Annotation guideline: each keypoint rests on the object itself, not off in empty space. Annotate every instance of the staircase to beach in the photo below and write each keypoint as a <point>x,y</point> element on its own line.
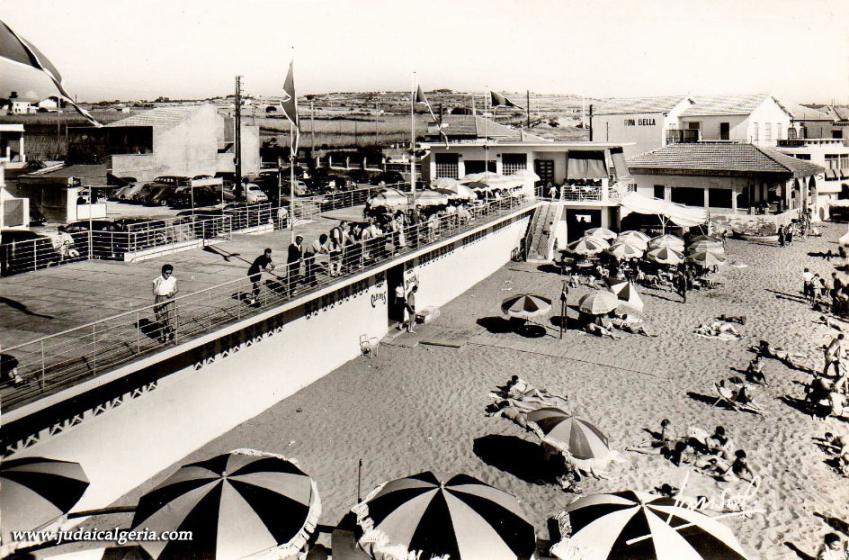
<point>541,239</point>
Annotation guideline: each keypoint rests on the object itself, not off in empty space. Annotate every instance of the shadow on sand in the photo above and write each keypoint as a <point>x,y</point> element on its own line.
<point>521,458</point>
<point>798,551</point>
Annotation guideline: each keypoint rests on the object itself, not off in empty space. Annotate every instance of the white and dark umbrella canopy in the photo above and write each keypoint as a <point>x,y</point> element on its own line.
<point>431,198</point>
<point>587,246</point>
<point>444,183</point>
<point>665,255</point>
<point>627,293</point>
<point>667,240</point>
<point>237,504</point>
<point>598,302</point>
<point>525,306</point>
<point>457,191</point>
<point>613,527</point>
<point>582,439</point>
<point>35,491</point>
<point>635,238</point>
<point>602,232</point>
<point>494,180</point>
<point>625,250</point>
<point>388,198</point>
<point>705,245</point>
<point>462,519</point>
<point>707,259</point>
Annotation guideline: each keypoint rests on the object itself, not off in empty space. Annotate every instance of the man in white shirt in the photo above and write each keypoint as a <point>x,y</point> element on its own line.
<point>164,290</point>
<point>807,283</point>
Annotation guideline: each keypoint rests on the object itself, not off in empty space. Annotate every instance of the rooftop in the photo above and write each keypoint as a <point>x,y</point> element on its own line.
<point>164,117</point>
<point>705,105</point>
<point>801,113</point>
<point>479,127</point>
<point>721,158</point>
<point>625,106</point>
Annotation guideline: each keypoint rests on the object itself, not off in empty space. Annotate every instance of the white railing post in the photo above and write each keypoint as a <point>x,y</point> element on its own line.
<point>42,365</point>
<point>35,254</point>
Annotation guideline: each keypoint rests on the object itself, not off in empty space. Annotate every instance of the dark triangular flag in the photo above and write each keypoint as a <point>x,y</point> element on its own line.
<point>498,100</point>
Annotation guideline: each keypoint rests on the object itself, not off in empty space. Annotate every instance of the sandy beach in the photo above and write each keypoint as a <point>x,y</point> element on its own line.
<point>420,407</point>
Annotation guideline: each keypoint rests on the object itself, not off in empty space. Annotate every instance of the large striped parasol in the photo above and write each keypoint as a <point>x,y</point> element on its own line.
<point>525,306</point>
<point>388,198</point>
<point>579,437</point>
<point>462,519</point>
<point>627,293</point>
<point>598,302</point>
<point>635,238</point>
<point>667,240</point>
<point>635,525</point>
<point>35,491</point>
<point>587,245</point>
<point>624,250</point>
<point>457,191</point>
<point>237,504</point>
<point>665,255</point>
<point>706,259</point>
<point>431,198</point>
<point>602,232</point>
<point>444,183</point>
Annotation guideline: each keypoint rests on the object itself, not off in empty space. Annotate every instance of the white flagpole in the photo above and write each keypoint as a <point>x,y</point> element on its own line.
<point>413,139</point>
<point>292,157</point>
<point>487,96</point>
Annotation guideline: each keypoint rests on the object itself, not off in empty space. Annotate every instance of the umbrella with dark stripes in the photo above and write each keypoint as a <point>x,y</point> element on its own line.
<point>462,519</point>
<point>525,306</point>
<point>579,437</point>
<point>639,526</point>
<point>35,491</point>
<point>237,504</point>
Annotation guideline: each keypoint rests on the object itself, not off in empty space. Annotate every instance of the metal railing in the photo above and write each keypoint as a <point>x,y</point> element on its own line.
<point>61,360</point>
<point>43,252</point>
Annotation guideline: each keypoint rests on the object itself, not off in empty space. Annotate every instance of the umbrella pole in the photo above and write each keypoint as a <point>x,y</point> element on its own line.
<point>359,479</point>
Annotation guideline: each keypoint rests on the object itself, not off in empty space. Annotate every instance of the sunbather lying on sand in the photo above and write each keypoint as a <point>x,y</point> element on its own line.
<point>740,319</point>
<point>717,328</point>
<point>633,327</point>
<point>718,468</point>
<point>791,360</point>
<point>519,389</point>
<point>599,330</point>
<point>665,444</point>
<point>507,410</point>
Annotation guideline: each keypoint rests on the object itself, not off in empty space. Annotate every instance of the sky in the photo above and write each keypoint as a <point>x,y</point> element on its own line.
<point>141,49</point>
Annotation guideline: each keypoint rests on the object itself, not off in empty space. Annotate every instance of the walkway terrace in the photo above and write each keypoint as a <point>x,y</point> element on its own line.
<point>52,325</point>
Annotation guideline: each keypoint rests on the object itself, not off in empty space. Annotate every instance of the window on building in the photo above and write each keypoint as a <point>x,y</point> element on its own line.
<point>844,161</point>
<point>688,196</point>
<point>659,191</point>
<point>767,139</point>
<point>479,166</point>
<point>791,133</point>
<point>695,125</point>
<point>756,132</point>
<point>446,166</point>
<point>804,156</point>
<point>719,198</point>
<point>832,161</point>
<point>837,134</point>
<point>511,163</point>
<point>545,169</point>
<point>778,131</point>
<point>724,131</point>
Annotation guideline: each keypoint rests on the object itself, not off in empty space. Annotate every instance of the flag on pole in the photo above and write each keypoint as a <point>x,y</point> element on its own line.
<point>24,68</point>
<point>420,98</point>
<point>289,104</point>
<point>498,100</point>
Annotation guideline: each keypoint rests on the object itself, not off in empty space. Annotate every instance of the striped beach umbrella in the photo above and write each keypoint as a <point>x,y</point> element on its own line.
<point>431,198</point>
<point>635,233</point>
<point>627,293</point>
<point>705,245</point>
<point>635,238</point>
<point>388,198</point>
<point>625,250</point>
<point>579,437</point>
<point>707,259</point>
<point>462,519</point>
<point>665,255</point>
<point>667,240</point>
<point>603,233</point>
<point>457,191</point>
<point>598,302</point>
<point>237,504</point>
<point>525,306</point>
<point>635,525</point>
<point>587,246</point>
<point>444,183</point>
<point>35,491</point>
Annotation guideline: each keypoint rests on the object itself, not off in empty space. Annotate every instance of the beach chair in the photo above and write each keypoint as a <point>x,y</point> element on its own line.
<point>727,395</point>
<point>369,346</point>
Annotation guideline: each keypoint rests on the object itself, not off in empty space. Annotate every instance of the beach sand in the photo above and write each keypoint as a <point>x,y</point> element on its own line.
<point>422,408</point>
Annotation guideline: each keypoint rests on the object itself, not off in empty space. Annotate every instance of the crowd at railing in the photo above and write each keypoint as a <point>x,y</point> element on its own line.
<point>584,192</point>
<point>51,363</point>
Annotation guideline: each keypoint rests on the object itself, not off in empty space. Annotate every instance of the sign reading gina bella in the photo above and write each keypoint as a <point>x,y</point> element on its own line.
<point>639,122</point>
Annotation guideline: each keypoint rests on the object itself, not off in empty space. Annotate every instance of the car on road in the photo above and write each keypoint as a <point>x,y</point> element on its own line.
<point>254,194</point>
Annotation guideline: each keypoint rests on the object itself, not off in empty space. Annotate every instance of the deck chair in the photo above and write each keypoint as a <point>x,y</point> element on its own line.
<point>369,346</point>
<point>727,396</point>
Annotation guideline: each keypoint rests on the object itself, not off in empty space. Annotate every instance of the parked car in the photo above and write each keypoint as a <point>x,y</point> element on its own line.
<point>140,194</point>
<point>201,196</point>
<point>254,194</point>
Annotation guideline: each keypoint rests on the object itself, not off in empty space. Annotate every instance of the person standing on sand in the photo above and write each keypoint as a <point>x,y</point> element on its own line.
<point>831,548</point>
<point>781,238</point>
<point>681,284</point>
<point>411,308</point>
<point>833,355</point>
<point>807,283</point>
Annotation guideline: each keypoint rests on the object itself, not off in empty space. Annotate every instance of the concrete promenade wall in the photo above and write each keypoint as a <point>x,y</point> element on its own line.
<point>126,445</point>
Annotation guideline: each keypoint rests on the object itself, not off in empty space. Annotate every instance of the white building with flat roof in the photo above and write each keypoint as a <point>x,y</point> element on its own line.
<point>12,152</point>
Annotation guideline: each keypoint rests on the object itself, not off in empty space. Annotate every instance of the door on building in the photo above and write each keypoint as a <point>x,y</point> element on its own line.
<point>724,131</point>
<point>394,280</point>
<point>545,169</point>
<point>579,221</point>
<point>479,166</point>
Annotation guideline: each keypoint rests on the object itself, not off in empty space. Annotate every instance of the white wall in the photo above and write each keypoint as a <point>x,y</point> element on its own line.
<point>647,137</point>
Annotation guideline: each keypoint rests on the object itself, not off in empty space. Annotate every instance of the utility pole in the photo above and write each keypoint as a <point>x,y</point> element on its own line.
<point>529,108</point>
<point>312,128</point>
<point>237,156</point>
<point>591,122</point>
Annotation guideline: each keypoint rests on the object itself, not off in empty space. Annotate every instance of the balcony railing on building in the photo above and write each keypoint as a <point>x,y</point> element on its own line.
<point>685,136</point>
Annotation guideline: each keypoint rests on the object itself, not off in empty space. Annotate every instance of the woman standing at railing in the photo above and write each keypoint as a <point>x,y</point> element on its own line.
<point>165,310</point>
